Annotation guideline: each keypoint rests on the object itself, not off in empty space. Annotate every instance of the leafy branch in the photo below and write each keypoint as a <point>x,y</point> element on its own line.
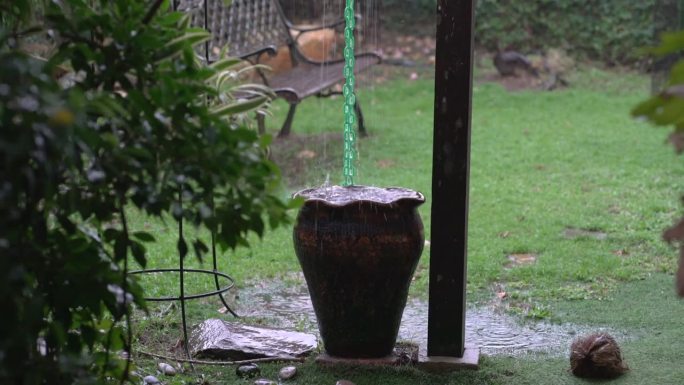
<point>132,127</point>
<point>667,109</point>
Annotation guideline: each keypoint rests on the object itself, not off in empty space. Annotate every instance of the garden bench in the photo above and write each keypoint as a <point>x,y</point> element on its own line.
<point>252,28</point>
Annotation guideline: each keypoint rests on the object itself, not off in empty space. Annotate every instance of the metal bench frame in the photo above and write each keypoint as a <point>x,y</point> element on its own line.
<point>252,28</point>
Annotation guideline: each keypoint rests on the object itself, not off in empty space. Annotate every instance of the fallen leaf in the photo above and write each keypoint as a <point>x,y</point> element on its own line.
<point>522,259</point>
<point>614,209</point>
<point>505,234</point>
<point>501,294</point>
<point>178,345</point>
<point>385,163</point>
<point>306,154</point>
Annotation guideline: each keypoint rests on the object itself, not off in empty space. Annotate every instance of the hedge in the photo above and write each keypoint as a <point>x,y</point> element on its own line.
<point>607,30</point>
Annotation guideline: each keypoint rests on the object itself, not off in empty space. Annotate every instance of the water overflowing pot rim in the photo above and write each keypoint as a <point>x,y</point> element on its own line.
<point>338,196</point>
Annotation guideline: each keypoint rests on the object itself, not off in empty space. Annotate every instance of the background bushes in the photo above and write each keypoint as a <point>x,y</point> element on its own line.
<point>605,30</point>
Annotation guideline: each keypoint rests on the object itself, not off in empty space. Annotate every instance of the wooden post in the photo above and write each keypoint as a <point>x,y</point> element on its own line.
<point>451,167</point>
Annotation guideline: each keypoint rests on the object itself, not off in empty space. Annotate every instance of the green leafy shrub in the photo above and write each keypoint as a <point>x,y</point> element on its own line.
<point>133,130</point>
<point>605,30</point>
<point>667,109</point>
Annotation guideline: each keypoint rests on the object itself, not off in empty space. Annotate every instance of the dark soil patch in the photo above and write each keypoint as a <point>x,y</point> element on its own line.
<point>308,160</point>
<point>514,83</point>
<point>576,233</point>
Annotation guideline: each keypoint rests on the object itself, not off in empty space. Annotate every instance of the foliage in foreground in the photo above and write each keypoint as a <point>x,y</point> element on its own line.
<point>132,129</point>
<point>667,109</point>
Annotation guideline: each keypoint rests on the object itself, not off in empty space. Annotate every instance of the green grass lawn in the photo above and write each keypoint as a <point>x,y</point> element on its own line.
<point>542,163</point>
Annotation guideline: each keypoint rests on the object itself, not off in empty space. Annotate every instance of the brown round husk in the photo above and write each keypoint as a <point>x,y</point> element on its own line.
<point>596,356</point>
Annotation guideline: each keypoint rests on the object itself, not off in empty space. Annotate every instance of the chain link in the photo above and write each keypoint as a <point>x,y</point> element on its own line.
<point>350,153</point>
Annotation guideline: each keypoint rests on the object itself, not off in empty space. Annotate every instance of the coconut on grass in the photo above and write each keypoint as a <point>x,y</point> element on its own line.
<point>596,356</point>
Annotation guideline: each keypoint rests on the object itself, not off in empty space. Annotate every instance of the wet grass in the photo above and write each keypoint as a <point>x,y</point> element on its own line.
<point>646,310</point>
<point>542,163</point>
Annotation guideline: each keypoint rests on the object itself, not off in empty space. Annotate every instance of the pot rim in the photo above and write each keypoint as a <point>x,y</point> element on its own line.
<point>408,195</point>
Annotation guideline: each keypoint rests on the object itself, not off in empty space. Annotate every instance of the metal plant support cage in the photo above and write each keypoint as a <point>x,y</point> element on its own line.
<point>181,270</point>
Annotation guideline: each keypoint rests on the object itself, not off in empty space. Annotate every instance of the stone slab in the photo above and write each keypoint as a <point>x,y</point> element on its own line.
<point>404,353</point>
<point>215,338</point>
<point>469,361</point>
<point>327,360</point>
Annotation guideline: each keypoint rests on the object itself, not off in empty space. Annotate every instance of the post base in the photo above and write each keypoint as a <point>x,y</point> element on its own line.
<point>469,361</point>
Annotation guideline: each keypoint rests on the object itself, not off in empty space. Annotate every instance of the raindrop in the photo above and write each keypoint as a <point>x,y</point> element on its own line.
<point>162,118</point>
<point>119,294</point>
<point>28,103</point>
<point>96,176</point>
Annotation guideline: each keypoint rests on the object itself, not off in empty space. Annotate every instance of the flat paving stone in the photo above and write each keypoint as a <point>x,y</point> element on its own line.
<point>328,360</point>
<point>215,338</point>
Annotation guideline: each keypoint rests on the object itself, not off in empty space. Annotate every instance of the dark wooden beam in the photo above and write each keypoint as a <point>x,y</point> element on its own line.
<point>451,168</point>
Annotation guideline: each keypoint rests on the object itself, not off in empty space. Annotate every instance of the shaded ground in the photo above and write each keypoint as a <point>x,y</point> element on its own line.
<point>513,83</point>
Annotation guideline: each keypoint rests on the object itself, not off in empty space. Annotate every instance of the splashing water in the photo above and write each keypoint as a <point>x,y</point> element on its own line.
<point>288,305</point>
<point>350,155</point>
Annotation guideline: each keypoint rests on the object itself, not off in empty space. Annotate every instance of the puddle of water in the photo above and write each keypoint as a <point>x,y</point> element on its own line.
<point>494,332</point>
<point>342,196</point>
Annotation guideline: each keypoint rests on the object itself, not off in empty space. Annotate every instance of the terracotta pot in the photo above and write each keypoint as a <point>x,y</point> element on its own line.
<point>359,247</point>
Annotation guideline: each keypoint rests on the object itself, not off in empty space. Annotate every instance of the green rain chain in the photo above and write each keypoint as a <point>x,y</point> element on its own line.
<point>350,154</point>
